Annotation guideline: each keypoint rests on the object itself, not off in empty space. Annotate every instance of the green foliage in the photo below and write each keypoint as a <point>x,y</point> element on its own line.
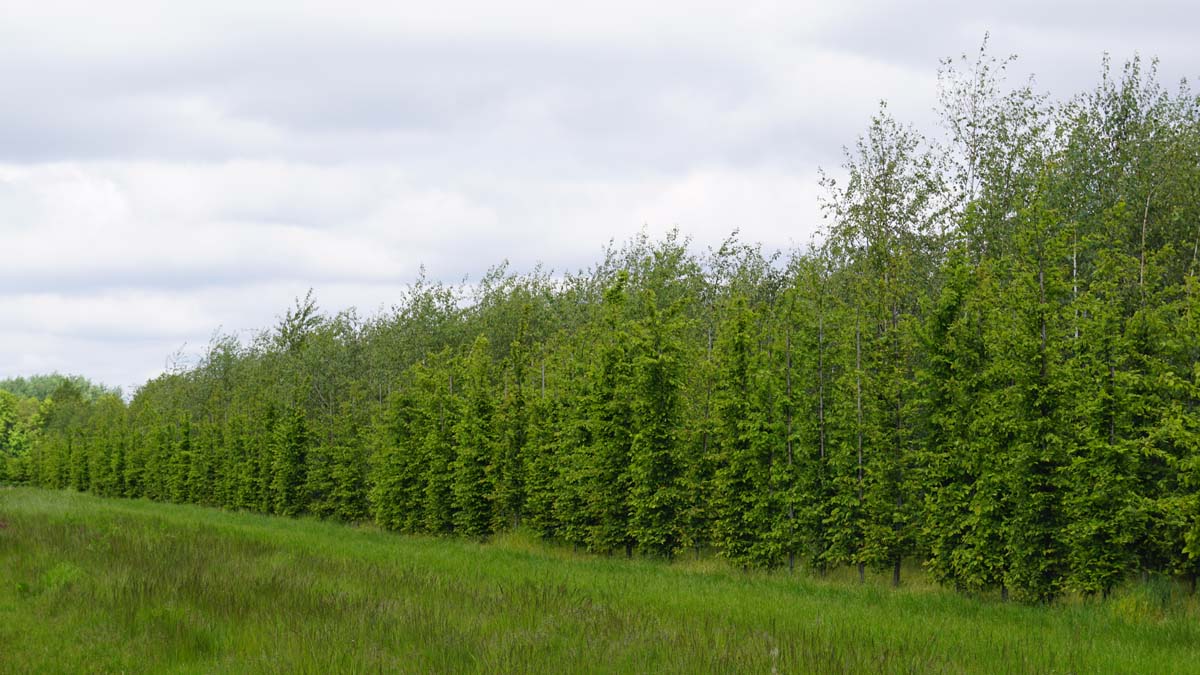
<point>742,481</point>
<point>474,478</point>
<point>988,365</point>
<point>42,387</point>
<point>608,405</point>
<point>289,451</point>
<point>656,476</point>
<point>21,420</point>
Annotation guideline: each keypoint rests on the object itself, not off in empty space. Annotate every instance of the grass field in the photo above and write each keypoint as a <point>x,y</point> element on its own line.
<point>95,585</point>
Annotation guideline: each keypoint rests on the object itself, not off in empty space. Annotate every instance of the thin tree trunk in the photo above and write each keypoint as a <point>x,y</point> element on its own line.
<point>858,400</point>
<point>899,482</point>
<point>1042,311</point>
<point>1195,251</point>
<point>790,455</point>
<point>1142,257</point>
<point>859,414</point>
<point>707,430</point>
<point>821,381</point>
<point>1112,412</point>
<point>1075,276</point>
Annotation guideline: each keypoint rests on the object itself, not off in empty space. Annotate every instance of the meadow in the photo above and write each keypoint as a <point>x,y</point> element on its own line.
<point>101,585</point>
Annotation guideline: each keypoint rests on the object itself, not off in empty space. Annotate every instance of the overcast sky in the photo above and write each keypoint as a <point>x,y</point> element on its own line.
<point>166,171</point>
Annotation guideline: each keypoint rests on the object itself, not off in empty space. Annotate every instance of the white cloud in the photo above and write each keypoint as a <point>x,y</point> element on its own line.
<point>778,209</point>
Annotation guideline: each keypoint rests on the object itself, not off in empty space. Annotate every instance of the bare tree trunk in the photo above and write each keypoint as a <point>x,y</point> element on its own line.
<point>821,381</point>
<point>858,400</point>
<point>790,454</point>
<point>859,414</point>
<point>707,418</point>
<point>1042,309</point>
<point>1195,251</point>
<point>1112,413</point>
<point>1075,277</point>
<point>1142,257</point>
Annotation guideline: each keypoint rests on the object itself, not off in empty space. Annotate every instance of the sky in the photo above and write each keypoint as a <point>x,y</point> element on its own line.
<point>170,170</point>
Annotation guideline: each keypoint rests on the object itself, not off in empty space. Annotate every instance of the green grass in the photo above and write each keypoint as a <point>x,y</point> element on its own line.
<point>96,585</point>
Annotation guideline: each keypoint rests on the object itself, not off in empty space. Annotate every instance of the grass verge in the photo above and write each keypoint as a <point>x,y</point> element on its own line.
<point>97,585</point>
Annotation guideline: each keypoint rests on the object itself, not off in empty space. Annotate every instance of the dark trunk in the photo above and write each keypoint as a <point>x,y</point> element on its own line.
<point>858,402</point>
<point>790,457</point>
<point>821,381</point>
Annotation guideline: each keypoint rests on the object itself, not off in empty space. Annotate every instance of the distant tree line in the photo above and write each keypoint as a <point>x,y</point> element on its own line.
<point>989,362</point>
<point>42,387</point>
<point>25,407</point>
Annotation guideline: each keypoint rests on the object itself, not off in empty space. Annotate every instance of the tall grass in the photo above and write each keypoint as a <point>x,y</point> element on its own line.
<point>95,585</point>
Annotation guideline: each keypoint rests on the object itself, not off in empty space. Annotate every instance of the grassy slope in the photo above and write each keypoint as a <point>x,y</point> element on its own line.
<point>88,585</point>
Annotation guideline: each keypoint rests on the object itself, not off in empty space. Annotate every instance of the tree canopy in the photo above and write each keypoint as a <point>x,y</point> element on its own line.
<point>988,362</point>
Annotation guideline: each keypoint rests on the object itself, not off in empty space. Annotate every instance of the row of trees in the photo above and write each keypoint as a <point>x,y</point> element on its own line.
<point>989,363</point>
<point>24,410</point>
<point>42,387</point>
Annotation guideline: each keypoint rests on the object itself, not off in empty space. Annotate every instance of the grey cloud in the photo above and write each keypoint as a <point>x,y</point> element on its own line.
<point>529,107</point>
<point>1061,43</point>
